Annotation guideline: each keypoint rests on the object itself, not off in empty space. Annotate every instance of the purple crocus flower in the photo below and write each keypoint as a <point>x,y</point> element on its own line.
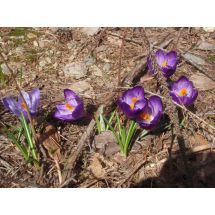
<point>132,101</point>
<point>150,66</point>
<point>167,62</point>
<point>183,92</point>
<point>150,115</point>
<point>71,110</point>
<point>17,107</point>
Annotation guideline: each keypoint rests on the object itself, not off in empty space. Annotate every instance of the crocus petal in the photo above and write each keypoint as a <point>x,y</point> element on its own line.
<point>78,111</point>
<point>129,94</point>
<point>150,66</point>
<point>12,105</point>
<point>59,115</point>
<point>139,105</point>
<point>160,57</point>
<point>156,105</point>
<point>69,95</point>
<point>35,100</point>
<point>171,59</point>
<point>26,97</point>
<point>63,109</point>
<point>126,109</point>
<point>155,109</point>
<point>167,72</point>
<point>191,93</point>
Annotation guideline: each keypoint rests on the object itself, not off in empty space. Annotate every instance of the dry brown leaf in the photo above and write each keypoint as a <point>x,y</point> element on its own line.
<point>50,140</point>
<point>198,139</point>
<point>202,82</point>
<point>96,167</point>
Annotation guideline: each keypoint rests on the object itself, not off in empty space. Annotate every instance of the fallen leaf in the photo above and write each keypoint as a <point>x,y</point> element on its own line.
<point>198,139</point>
<point>90,31</point>
<point>203,45</point>
<point>50,140</point>
<point>202,82</point>
<point>96,167</point>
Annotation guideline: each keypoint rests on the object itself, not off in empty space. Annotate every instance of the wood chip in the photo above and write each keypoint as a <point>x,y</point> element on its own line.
<point>50,140</point>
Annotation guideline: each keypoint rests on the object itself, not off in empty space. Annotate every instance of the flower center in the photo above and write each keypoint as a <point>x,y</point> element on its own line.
<point>24,106</point>
<point>164,64</point>
<point>146,116</point>
<point>133,102</point>
<point>183,92</point>
<point>69,107</point>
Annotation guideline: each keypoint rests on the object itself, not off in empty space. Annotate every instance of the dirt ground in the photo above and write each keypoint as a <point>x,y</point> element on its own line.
<point>110,60</point>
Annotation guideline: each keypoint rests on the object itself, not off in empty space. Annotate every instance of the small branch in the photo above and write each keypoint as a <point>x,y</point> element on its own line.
<point>86,135</point>
<point>120,57</point>
<point>58,171</point>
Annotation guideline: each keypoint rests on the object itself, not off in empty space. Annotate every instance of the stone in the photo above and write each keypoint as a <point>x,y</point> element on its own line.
<point>90,31</point>
<point>106,143</point>
<point>75,70</point>
<point>5,69</point>
<point>89,60</point>
<point>107,67</point>
<point>81,86</point>
<point>35,43</point>
<point>209,29</point>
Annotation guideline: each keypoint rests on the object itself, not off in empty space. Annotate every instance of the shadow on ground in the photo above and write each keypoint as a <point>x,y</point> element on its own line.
<point>201,174</point>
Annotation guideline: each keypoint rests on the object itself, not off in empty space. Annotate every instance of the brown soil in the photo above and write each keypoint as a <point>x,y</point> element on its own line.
<point>38,56</point>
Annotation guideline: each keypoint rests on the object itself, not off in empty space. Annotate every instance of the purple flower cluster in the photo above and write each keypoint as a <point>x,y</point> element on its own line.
<point>167,63</point>
<point>182,91</point>
<point>147,112</point>
<point>72,109</point>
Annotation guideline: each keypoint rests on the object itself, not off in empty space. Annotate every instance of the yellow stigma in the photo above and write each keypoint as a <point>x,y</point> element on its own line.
<point>133,101</point>
<point>69,107</point>
<point>183,92</point>
<point>164,64</point>
<point>146,116</point>
<point>24,106</point>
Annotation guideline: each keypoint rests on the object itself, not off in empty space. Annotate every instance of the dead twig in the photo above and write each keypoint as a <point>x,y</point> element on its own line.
<point>71,161</point>
<point>120,57</point>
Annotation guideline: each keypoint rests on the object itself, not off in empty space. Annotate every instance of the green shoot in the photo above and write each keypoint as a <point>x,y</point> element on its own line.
<point>26,148</point>
<point>101,125</point>
<point>123,135</point>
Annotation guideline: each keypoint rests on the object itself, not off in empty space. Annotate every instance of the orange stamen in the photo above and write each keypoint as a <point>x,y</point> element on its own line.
<point>164,64</point>
<point>69,107</point>
<point>145,116</point>
<point>133,101</point>
<point>24,106</point>
<point>183,92</point>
